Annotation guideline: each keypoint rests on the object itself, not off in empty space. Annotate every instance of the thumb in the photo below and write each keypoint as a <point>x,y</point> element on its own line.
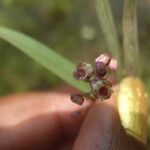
<point>103,130</point>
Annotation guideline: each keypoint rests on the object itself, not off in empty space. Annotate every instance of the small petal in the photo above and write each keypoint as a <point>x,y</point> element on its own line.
<point>95,84</point>
<point>105,58</point>
<point>77,98</point>
<point>107,83</point>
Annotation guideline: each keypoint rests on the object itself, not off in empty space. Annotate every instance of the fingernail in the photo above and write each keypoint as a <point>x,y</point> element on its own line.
<point>133,107</point>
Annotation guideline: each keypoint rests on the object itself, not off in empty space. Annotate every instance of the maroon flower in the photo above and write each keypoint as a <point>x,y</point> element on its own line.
<point>79,74</point>
<point>99,84</point>
<point>104,92</point>
<point>101,88</point>
<point>83,71</point>
<point>77,98</point>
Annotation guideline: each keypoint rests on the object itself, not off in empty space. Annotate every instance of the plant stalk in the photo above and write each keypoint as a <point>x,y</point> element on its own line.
<point>130,37</point>
<point>107,23</point>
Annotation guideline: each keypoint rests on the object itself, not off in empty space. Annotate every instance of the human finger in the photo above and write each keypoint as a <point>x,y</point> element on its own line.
<point>38,120</point>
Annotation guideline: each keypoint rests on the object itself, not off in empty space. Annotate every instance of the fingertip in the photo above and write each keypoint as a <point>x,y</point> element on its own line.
<point>99,126</point>
<point>102,129</point>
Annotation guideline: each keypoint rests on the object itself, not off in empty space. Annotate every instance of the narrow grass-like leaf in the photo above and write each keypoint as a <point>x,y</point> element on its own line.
<point>43,55</point>
<point>130,37</point>
<point>105,16</point>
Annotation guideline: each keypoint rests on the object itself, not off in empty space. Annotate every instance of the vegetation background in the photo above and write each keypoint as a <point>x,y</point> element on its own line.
<point>69,27</point>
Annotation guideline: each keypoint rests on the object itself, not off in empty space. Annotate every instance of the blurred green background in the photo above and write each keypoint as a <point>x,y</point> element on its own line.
<point>69,27</point>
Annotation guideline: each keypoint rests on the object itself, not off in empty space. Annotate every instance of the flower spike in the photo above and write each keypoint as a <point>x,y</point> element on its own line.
<point>101,87</point>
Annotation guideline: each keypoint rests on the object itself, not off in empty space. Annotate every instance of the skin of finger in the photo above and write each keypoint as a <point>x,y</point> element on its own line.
<point>38,120</point>
<point>102,130</point>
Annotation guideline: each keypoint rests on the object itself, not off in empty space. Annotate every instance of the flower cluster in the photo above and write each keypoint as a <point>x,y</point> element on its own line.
<point>101,87</point>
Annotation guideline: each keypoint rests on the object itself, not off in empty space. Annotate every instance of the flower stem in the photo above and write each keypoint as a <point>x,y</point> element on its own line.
<point>130,37</point>
<point>108,27</point>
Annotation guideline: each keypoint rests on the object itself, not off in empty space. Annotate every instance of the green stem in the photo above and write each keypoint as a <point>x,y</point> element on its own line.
<point>105,17</point>
<point>130,37</point>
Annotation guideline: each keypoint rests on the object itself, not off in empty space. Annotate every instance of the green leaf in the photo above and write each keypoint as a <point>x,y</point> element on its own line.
<point>105,17</point>
<point>43,55</point>
<point>130,37</point>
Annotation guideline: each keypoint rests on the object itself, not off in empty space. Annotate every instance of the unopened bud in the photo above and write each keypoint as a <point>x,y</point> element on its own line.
<point>83,71</point>
<point>77,98</point>
<point>100,69</point>
<point>79,74</point>
<point>113,64</point>
<point>105,58</point>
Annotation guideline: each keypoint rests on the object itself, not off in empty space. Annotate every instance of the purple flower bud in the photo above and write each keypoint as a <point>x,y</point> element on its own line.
<point>83,71</point>
<point>100,69</point>
<point>77,98</point>
<point>113,64</point>
<point>79,74</point>
<point>105,58</point>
